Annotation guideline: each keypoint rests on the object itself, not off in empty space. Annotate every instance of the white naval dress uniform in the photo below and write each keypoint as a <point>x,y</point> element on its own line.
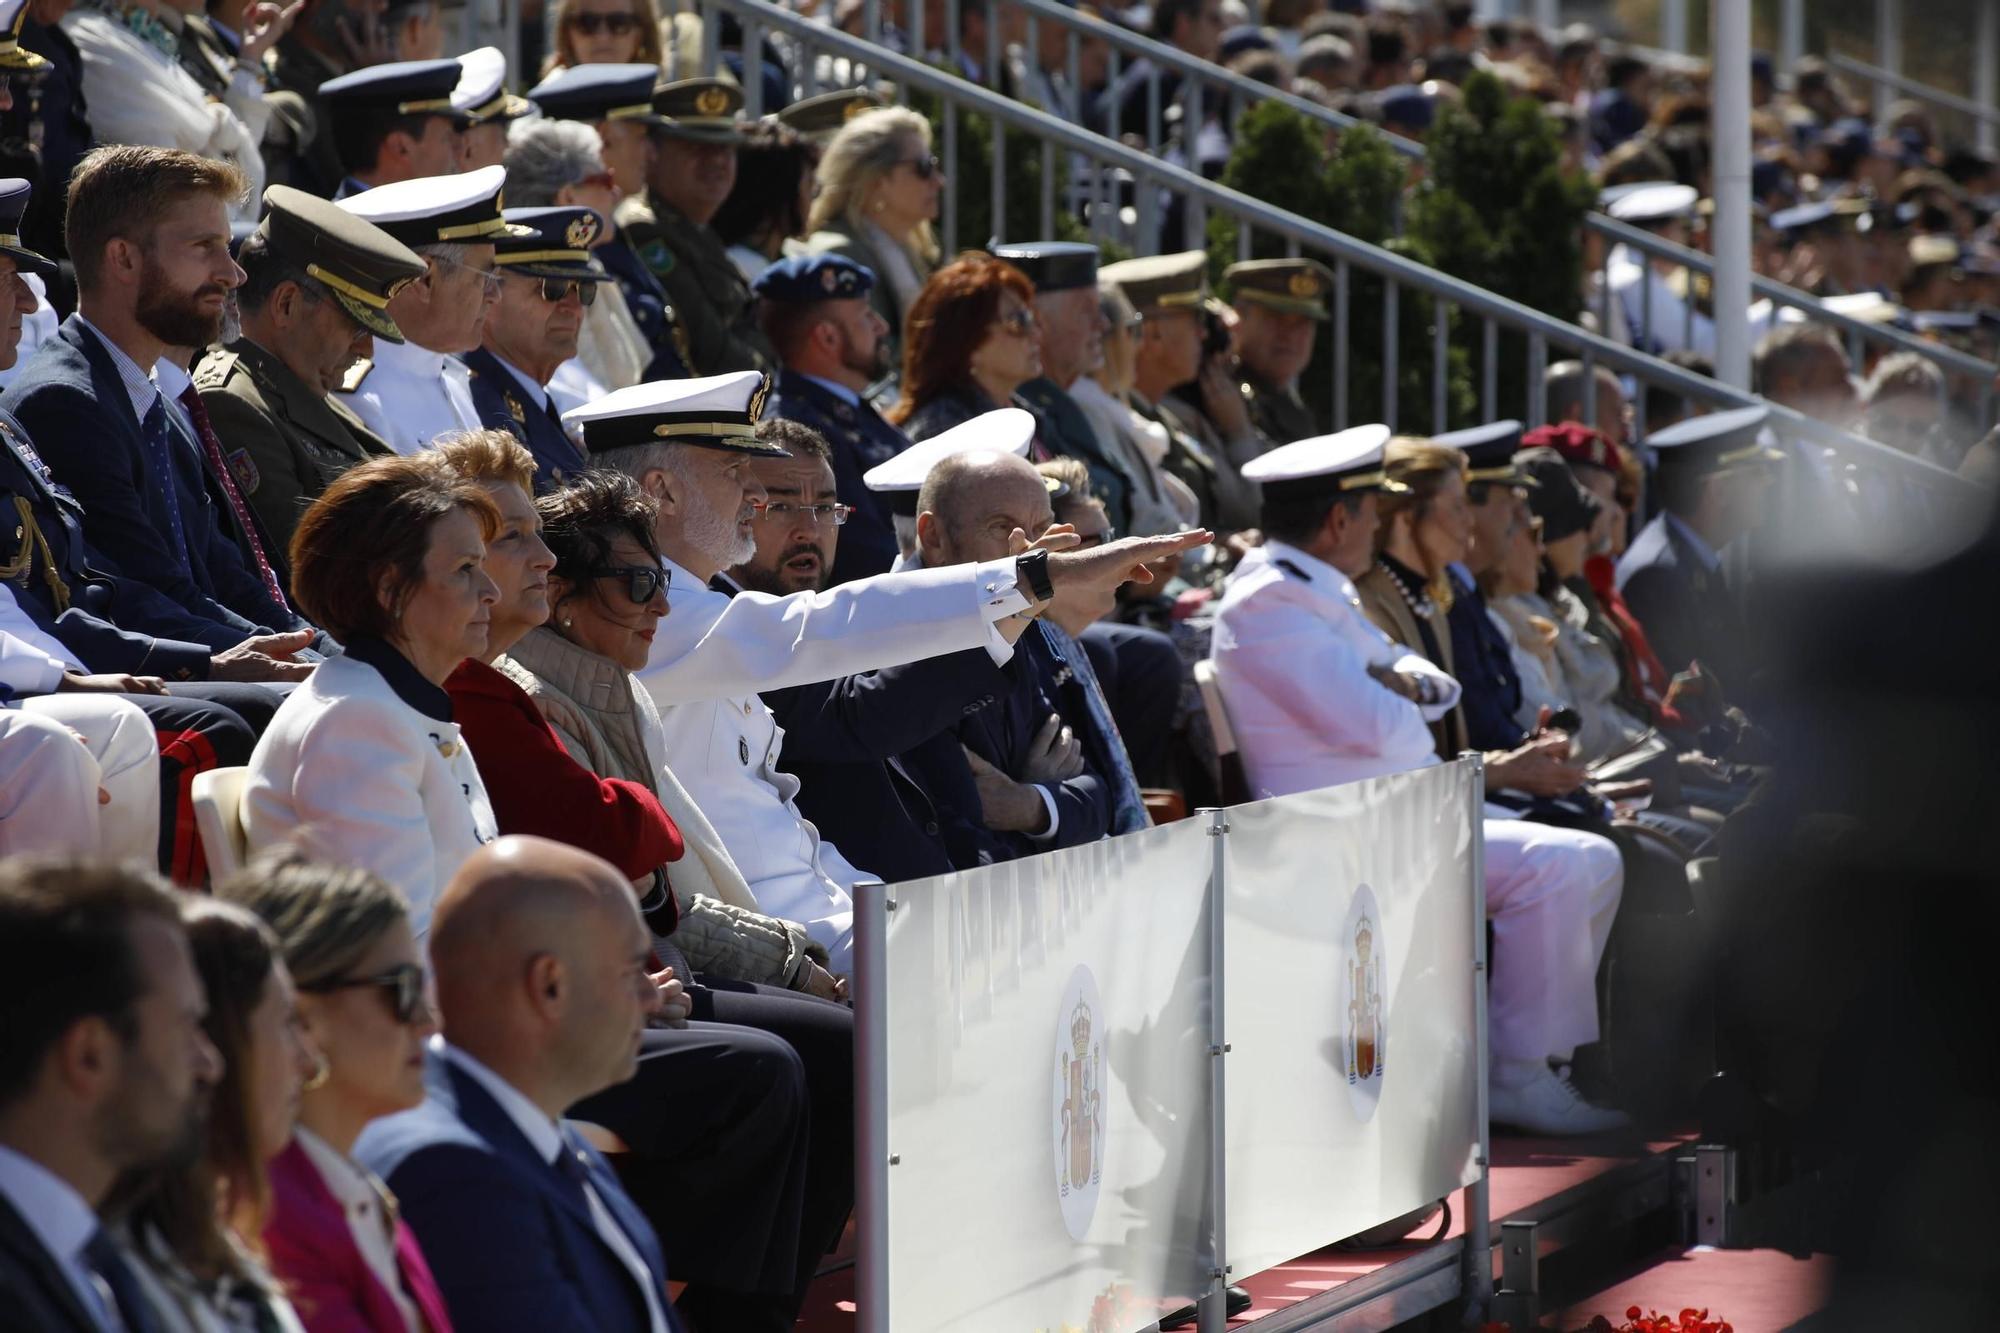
<point>48,782</point>
<point>410,395</point>
<point>1292,649</point>
<point>358,774</point>
<point>712,653</point>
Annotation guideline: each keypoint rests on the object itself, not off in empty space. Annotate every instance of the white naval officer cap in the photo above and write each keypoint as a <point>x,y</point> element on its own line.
<point>715,412</point>
<point>1715,441</point>
<point>482,93</point>
<point>1337,464</point>
<point>1007,430</point>
<point>439,210</point>
<point>1654,202</point>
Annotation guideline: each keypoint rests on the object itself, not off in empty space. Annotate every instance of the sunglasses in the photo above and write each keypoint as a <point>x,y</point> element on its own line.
<point>642,582</point>
<point>404,984</point>
<point>780,512</point>
<point>924,167</point>
<point>618,25</point>
<point>1020,323</point>
<point>555,289</point>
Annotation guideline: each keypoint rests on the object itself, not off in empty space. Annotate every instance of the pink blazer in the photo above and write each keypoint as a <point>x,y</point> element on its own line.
<point>313,1253</point>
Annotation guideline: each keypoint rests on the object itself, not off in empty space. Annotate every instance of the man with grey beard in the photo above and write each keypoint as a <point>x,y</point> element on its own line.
<point>691,445</point>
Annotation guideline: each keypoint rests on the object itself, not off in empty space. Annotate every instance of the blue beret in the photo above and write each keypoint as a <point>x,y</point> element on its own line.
<point>800,279</point>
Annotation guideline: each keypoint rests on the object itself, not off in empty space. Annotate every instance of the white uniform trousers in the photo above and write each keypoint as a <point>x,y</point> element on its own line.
<point>1550,894</point>
<point>49,783</point>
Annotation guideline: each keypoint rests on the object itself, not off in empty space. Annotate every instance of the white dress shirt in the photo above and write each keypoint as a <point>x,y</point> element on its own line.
<point>1292,650</point>
<point>546,1138</point>
<point>62,1220</point>
<point>411,395</point>
<point>363,1201</point>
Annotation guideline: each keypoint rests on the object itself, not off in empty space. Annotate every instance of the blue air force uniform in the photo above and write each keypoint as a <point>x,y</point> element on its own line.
<point>551,244</point>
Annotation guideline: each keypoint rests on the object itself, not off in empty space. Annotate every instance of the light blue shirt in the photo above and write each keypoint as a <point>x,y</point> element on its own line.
<point>138,380</point>
<point>61,1220</point>
<point>840,391</point>
<point>1710,560</point>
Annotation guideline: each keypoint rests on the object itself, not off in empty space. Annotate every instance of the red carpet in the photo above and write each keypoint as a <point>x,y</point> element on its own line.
<point>1757,1291</point>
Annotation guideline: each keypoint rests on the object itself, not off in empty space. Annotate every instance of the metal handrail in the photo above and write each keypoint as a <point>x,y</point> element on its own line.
<point>1204,71</point>
<point>1922,92</point>
<point>1857,330</point>
<point>1542,331</point>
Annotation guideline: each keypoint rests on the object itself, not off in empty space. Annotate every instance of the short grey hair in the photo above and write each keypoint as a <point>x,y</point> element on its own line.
<point>545,156</point>
<point>445,252</point>
<point>1904,375</point>
<point>636,460</point>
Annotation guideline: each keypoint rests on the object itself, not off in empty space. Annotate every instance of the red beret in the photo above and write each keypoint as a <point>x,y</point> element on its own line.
<point>1580,445</point>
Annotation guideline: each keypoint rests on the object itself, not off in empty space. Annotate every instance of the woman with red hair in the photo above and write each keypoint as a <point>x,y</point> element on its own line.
<point>969,342</point>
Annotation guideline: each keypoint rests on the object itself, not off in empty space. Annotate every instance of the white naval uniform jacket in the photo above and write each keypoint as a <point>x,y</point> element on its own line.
<point>361,766</point>
<point>410,395</point>
<point>1292,649</point>
<point>713,653</point>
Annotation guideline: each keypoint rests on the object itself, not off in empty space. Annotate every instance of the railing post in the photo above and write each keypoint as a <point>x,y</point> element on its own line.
<point>1888,51</point>
<point>1478,1200</point>
<point>872,905</point>
<point>1674,26</point>
<point>1392,341</point>
<point>1791,34</point>
<point>1341,283</point>
<point>1729,291</point>
<point>1212,1309</point>
<point>1986,72</point>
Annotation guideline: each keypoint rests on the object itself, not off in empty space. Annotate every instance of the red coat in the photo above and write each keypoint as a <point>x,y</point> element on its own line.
<point>329,1283</point>
<point>1643,666</point>
<point>536,787</point>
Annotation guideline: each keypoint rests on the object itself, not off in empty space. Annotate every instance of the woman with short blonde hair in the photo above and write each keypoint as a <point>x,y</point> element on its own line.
<point>879,189</point>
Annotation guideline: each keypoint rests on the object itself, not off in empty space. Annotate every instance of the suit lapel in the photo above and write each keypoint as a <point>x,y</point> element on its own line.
<point>41,1267</point>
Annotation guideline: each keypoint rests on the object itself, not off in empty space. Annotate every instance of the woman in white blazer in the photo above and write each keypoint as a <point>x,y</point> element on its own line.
<point>363,764</point>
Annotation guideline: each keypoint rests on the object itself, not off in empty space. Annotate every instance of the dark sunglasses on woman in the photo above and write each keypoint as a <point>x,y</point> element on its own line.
<point>403,983</point>
<point>642,582</point>
<point>618,25</point>
<point>925,167</point>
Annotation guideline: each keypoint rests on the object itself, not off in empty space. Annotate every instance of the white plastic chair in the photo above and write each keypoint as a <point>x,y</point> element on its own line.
<point>1235,786</point>
<point>218,818</point>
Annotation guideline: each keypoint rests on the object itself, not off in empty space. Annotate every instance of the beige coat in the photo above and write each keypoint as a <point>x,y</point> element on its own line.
<point>610,726</point>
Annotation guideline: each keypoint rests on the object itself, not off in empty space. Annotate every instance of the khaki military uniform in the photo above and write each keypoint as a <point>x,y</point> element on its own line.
<point>703,285</point>
<point>284,441</point>
<point>1277,413</point>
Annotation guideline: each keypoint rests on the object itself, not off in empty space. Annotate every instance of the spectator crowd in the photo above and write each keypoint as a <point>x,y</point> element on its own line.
<point>486,571</point>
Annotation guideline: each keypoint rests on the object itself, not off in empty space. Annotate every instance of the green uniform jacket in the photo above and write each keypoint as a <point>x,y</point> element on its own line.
<point>703,284</point>
<point>1277,413</point>
<point>284,442</point>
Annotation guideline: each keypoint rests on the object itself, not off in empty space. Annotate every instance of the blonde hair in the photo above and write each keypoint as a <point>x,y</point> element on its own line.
<point>487,457</point>
<point>865,150</point>
<point>1422,467</point>
<point>327,918</point>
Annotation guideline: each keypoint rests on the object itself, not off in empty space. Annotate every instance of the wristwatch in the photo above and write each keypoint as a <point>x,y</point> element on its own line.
<point>1034,567</point>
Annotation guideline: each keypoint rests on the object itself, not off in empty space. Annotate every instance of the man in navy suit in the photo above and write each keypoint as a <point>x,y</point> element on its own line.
<point>541,960</point>
<point>860,745</point>
<point>149,234</point>
<point>546,280</point>
<point>105,1071</point>
<point>833,345</point>
<point>1714,472</point>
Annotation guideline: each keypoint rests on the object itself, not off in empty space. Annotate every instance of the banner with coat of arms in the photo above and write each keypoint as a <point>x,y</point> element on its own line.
<point>1351,925</point>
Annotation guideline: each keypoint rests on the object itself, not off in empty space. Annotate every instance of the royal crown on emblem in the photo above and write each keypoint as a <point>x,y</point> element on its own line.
<point>1304,284</point>
<point>1079,1029</point>
<point>711,102</point>
<point>582,232</point>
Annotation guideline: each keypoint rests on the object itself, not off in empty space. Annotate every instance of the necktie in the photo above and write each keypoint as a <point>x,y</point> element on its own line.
<point>160,462</point>
<point>211,447</point>
<point>132,1312</point>
<point>1128,806</point>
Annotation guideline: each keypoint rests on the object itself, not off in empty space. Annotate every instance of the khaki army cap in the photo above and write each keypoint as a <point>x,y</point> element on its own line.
<point>362,265</point>
<point>818,119</point>
<point>1161,282</point>
<point>707,110</point>
<point>1288,286</point>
